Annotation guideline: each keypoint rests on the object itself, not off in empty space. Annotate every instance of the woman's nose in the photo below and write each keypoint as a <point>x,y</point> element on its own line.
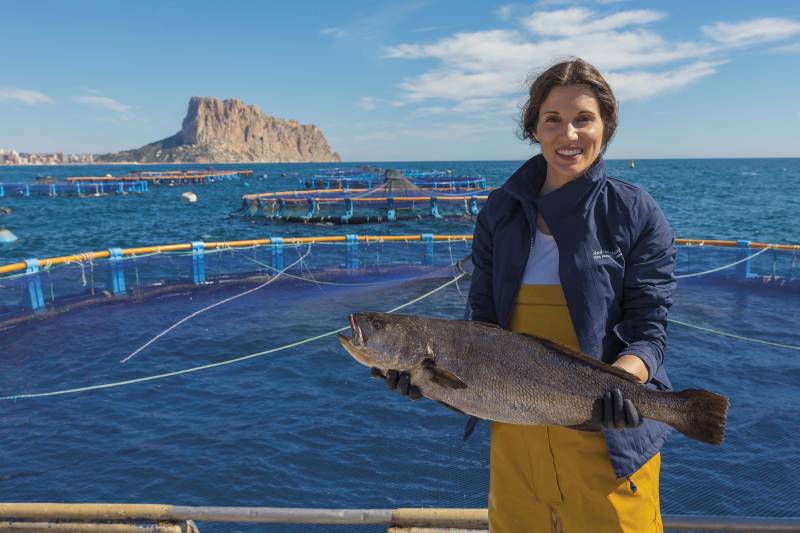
<point>571,132</point>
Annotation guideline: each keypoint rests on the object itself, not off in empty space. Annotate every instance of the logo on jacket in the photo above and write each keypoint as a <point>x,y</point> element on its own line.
<point>602,255</point>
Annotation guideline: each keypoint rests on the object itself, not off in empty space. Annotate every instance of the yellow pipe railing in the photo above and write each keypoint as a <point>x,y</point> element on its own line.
<point>91,256</point>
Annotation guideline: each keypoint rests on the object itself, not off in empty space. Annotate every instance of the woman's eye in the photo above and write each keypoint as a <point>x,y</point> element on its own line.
<point>585,118</point>
<point>551,119</point>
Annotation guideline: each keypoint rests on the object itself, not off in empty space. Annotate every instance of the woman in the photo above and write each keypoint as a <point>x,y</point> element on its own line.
<point>566,253</point>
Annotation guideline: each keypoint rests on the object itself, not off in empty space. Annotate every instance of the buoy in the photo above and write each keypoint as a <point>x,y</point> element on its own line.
<point>5,211</point>
<point>189,197</point>
<point>7,236</point>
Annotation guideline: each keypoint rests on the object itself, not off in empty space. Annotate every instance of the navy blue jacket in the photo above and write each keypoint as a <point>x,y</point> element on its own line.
<point>616,264</point>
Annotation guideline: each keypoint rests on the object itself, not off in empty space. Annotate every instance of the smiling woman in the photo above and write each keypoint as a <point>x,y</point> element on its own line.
<point>564,252</point>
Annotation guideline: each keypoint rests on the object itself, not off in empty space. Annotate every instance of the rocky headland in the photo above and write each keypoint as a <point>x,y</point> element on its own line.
<point>229,131</point>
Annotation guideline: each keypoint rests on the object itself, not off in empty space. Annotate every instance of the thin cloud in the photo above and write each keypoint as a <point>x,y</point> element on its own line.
<point>489,66</point>
<point>580,21</point>
<point>368,103</point>
<point>336,33</point>
<point>504,12</point>
<point>787,49</point>
<point>25,96</point>
<point>643,85</point>
<point>103,102</point>
<point>751,31</point>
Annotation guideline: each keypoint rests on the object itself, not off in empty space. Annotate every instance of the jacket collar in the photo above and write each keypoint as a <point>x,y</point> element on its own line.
<point>527,181</point>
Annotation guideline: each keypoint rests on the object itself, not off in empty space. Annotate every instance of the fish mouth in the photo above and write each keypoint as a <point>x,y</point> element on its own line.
<point>356,345</point>
<point>356,339</point>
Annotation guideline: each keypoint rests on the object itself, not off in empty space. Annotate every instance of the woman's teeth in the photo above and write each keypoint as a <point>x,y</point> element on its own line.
<point>570,152</point>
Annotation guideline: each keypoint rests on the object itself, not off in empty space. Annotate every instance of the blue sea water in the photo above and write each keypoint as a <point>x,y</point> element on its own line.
<point>305,427</point>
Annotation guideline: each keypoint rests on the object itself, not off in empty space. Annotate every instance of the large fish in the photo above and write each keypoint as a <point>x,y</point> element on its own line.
<point>495,374</point>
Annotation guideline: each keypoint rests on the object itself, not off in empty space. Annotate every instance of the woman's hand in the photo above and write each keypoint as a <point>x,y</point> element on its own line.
<point>399,381</point>
<point>612,410</point>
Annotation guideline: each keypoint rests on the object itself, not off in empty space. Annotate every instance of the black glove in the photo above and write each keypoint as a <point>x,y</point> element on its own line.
<point>399,381</point>
<point>612,411</point>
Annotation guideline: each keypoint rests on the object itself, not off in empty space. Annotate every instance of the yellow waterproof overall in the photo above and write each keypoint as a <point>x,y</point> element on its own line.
<point>553,479</point>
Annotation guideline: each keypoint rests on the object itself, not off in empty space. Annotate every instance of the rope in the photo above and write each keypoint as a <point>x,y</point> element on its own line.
<point>203,310</point>
<point>221,363</point>
<point>733,336</point>
<point>749,257</point>
<point>318,282</point>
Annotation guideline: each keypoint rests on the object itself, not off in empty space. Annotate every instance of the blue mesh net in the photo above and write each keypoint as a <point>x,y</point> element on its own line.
<point>395,199</point>
<point>369,177</point>
<point>71,189</point>
<point>303,426</point>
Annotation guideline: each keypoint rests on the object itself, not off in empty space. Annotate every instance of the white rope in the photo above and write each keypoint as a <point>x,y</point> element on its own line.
<point>203,310</point>
<point>733,336</point>
<point>318,282</point>
<point>221,363</point>
<point>749,257</point>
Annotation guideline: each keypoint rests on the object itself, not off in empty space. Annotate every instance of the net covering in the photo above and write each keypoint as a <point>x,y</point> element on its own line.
<point>368,177</point>
<point>303,426</point>
<point>396,199</point>
<point>71,189</point>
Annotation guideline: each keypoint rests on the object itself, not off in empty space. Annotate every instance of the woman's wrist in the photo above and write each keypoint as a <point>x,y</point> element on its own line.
<point>634,365</point>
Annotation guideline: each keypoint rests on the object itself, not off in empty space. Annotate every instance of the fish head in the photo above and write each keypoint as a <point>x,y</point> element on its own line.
<point>388,342</point>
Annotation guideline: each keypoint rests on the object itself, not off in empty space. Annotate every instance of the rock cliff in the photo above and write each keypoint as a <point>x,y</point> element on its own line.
<point>228,131</point>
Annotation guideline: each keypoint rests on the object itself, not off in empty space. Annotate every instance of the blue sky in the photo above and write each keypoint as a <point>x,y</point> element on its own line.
<point>394,80</point>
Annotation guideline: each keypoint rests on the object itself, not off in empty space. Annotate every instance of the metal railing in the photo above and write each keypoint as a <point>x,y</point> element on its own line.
<point>64,517</point>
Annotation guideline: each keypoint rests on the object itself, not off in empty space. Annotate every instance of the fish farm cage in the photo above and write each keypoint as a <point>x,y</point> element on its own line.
<point>72,188</point>
<point>396,199</point>
<point>368,178</point>
<point>175,177</point>
<point>231,359</point>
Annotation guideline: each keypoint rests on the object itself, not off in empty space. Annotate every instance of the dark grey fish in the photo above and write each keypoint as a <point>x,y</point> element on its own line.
<point>489,372</point>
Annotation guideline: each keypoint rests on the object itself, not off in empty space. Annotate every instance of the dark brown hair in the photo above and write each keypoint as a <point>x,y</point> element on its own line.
<point>578,72</point>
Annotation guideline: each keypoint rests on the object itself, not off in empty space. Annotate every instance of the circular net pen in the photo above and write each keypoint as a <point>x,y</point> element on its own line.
<point>232,363</point>
<point>368,178</point>
<point>175,177</point>
<point>396,199</point>
<point>72,189</point>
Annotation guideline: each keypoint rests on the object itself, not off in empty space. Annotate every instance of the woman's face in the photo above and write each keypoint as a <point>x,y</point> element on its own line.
<point>570,132</point>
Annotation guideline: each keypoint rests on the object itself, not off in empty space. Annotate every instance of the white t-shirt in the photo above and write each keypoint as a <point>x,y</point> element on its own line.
<point>542,266</point>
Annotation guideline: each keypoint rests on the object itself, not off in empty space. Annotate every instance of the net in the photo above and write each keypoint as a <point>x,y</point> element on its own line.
<point>72,189</point>
<point>258,393</point>
<point>369,177</point>
<point>175,177</point>
<point>397,198</point>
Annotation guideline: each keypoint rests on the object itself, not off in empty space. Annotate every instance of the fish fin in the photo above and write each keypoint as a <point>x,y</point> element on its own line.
<point>469,428</point>
<point>707,413</point>
<point>600,365</point>
<point>456,409</point>
<point>442,376</point>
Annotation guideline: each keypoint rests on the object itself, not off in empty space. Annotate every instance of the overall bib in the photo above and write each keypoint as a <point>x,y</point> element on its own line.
<point>554,479</point>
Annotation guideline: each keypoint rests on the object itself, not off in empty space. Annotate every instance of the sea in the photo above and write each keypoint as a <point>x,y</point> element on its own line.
<point>306,427</point>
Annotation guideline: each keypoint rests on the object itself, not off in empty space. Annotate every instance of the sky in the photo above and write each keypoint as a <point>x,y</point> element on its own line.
<point>415,80</point>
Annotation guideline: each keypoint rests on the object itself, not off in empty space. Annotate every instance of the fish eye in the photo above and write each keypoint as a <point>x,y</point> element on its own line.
<point>377,324</point>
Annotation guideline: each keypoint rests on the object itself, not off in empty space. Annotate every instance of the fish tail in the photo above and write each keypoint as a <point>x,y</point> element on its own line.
<point>704,415</point>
